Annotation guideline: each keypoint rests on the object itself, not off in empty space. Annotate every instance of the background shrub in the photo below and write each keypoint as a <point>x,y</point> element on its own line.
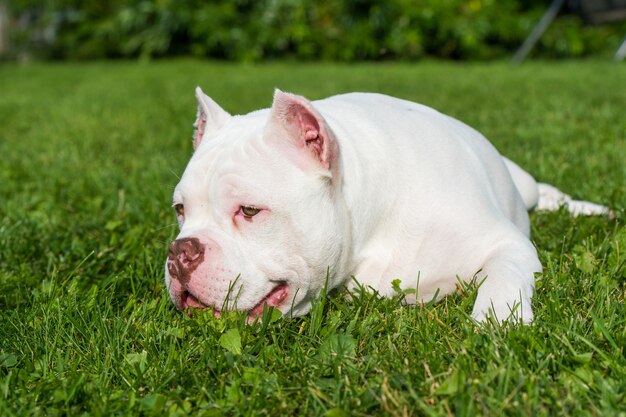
<point>251,30</point>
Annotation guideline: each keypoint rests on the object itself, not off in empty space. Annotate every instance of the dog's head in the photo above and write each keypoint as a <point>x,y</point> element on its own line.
<point>260,215</point>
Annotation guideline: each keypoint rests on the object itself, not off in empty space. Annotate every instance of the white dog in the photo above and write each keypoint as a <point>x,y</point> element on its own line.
<point>274,203</point>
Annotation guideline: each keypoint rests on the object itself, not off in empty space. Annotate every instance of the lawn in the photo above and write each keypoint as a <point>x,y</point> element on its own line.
<point>90,153</point>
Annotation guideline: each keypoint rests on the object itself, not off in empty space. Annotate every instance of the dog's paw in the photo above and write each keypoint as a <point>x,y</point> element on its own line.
<point>517,312</point>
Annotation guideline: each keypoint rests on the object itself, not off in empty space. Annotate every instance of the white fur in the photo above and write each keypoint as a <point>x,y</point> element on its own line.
<point>399,191</point>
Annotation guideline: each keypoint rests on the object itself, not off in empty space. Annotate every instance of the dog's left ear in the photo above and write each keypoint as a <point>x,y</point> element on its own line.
<point>210,117</point>
<point>295,118</point>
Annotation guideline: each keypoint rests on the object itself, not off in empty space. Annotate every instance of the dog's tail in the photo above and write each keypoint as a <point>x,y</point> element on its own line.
<point>551,199</point>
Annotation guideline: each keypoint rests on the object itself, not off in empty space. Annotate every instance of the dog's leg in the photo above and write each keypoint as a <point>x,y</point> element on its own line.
<point>551,199</point>
<point>540,196</point>
<point>508,280</point>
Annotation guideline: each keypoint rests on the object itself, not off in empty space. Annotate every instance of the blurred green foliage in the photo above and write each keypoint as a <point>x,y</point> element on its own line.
<point>251,30</point>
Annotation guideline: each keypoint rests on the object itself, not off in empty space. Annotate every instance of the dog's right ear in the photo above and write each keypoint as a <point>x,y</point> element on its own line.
<point>210,117</point>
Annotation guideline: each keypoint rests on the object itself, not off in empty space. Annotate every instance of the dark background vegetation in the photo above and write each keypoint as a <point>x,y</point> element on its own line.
<point>254,30</point>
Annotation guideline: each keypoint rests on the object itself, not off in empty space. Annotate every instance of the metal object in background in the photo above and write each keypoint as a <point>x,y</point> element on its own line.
<point>620,54</point>
<point>538,30</point>
<point>593,12</point>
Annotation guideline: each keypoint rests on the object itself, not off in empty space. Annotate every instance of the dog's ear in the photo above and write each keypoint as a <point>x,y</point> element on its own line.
<point>295,118</point>
<point>210,117</point>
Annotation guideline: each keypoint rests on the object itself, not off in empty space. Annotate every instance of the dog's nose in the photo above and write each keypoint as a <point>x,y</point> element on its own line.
<point>183,258</point>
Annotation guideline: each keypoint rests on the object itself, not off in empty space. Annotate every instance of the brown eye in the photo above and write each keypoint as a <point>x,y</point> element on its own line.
<point>249,211</point>
<point>180,210</point>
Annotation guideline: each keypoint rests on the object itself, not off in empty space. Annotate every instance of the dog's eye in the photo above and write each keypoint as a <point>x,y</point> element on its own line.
<point>180,210</point>
<point>249,211</point>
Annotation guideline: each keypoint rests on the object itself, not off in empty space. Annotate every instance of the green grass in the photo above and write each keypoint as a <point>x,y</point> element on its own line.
<point>89,155</point>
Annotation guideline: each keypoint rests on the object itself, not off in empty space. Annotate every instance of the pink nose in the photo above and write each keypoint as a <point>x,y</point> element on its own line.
<point>183,258</point>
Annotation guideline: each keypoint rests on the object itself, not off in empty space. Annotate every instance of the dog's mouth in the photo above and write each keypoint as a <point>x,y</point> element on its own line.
<point>189,302</point>
<point>274,298</point>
